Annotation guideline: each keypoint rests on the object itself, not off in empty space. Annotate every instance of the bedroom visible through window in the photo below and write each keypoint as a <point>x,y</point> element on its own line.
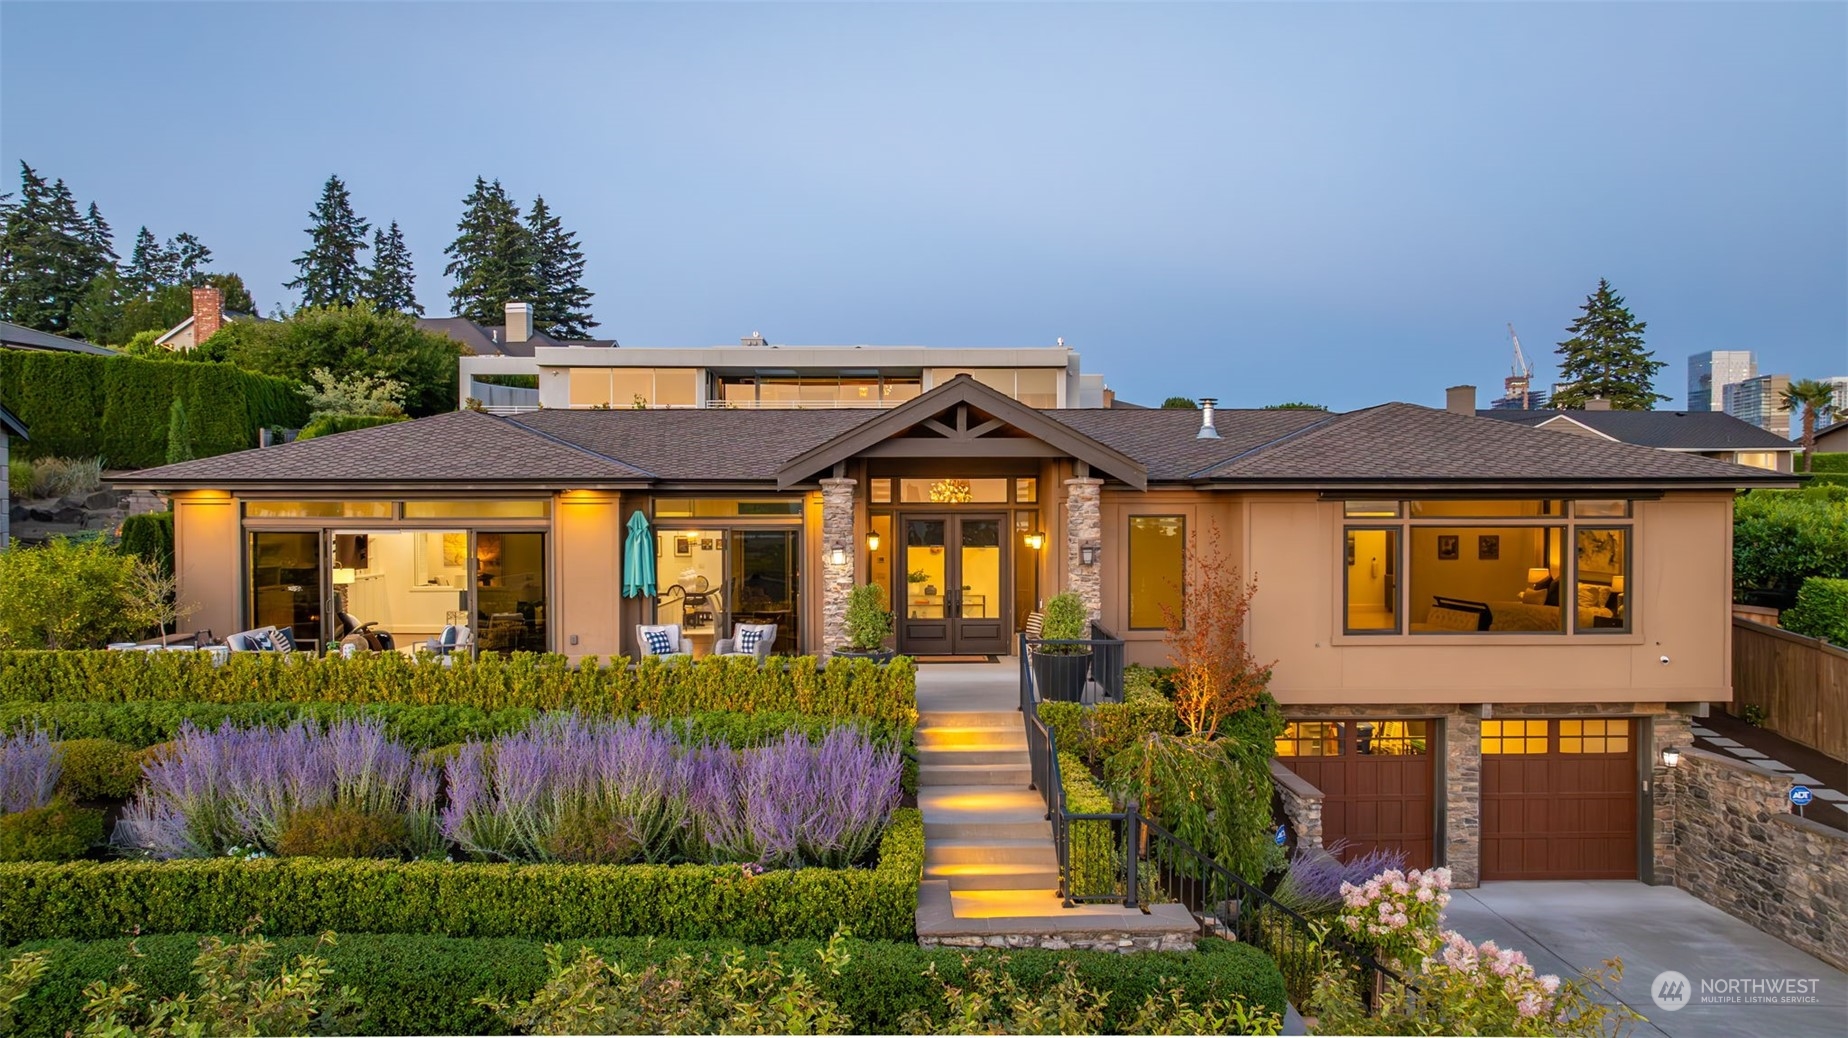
<point>1372,583</point>
<point>1465,579</point>
<point>1603,565</point>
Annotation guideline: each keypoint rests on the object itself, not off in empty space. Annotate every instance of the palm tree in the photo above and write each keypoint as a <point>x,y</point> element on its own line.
<point>1817,399</point>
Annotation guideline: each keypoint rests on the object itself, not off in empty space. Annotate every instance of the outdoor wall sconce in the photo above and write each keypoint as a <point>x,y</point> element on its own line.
<point>838,556</point>
<point>872,542</point>
<point>1671,756</point>
<point>1087,553</point>
<point>1036,541</point>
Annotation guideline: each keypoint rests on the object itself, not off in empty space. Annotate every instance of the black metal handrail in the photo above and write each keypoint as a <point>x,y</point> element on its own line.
<point>1104,668</point>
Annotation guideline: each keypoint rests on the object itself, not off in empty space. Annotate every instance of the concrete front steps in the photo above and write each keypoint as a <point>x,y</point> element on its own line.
<point>984,829</point>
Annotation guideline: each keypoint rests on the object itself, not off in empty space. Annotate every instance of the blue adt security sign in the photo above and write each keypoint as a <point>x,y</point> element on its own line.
<point>1280,839</point>
<point>1800,796</point>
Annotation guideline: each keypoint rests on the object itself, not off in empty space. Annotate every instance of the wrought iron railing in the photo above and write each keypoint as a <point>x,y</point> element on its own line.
<point>1153,864</point>
<point>1103,661</point>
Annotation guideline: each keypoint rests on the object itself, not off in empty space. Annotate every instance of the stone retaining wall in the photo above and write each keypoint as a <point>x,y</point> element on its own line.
<point>1106,942</point>
<point>1302,804</point>
<point>1742,851</point>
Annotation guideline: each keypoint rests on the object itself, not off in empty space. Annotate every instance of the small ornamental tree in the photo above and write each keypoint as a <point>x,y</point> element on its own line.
<point>1215,673</point>
<point>179,433</point>
<point>867,621</point>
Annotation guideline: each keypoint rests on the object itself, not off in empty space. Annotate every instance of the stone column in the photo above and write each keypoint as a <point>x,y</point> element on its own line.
<point>1463,798</point>
<point>1667,729</point>
<point>1084,524</point>
<point>836,580</point>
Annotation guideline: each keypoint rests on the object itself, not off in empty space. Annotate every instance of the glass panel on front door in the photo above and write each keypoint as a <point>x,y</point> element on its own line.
<point>926,568</point>
<point>979,596</point>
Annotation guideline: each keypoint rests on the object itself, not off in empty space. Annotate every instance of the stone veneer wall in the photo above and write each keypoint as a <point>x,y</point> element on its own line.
<point>836,580</point>
<point>1084,524</point>
<point>1302,804</point>
<point>1747,855</point>
<point>1102,941</point>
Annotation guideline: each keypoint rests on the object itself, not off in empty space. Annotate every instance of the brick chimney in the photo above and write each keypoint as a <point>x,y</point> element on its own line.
<point>519,322</point>
<point>1460,400</point>
<point>208,307</point>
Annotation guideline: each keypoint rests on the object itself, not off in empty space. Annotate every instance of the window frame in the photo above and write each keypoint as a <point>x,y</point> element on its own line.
<point>1398,536</point>
<point>1129,562</point>
<point>1566,521</point>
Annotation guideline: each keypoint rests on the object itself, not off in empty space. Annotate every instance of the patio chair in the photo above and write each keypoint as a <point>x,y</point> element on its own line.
<point>748,640</point>
<point>262,639</point>
<point>456,638</point>
<point>660,640</point>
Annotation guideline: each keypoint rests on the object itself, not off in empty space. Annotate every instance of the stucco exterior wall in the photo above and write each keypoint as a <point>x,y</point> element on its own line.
<point>1681,573</point>
<point>206,548</point>
<point>587,532</point>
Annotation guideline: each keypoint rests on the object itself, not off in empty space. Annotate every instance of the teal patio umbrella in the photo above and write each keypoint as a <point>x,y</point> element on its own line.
<point>638,559</point>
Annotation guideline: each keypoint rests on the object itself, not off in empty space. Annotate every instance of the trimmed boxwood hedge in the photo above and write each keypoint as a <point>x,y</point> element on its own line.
<point>81,405</point>
<point>1821,611</point>
<point>1096,858</point>
<point>305,896</point>
<point>147,722</point>
<point>844,688</point>
<point>414,984</point>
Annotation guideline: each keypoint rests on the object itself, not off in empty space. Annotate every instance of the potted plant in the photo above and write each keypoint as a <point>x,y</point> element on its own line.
<point>1060,670</point>
<point>868,624</point>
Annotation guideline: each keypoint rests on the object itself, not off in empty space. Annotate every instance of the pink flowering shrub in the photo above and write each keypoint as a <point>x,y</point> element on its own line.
<point>1391,912</point>
<point>1451,985</point>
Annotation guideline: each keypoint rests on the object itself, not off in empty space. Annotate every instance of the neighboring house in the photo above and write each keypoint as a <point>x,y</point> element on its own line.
<point>208,315</point>
<point>1833,440</point>
<point>19,337</point>
<point>1484,633</point>
<point>754,374</point>
<point>10,427</point>
<point>1709,434</point>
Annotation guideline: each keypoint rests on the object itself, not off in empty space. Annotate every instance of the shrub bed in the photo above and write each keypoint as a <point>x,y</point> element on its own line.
<point>1096,861</point>
<point>1821,611</point>
<point>844,688</point>
<point>426,984</point>
<point>304,896</point>
<point>147,722</point>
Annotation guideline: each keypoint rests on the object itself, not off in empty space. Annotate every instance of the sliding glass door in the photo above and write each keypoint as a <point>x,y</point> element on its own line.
<point>285,585</point>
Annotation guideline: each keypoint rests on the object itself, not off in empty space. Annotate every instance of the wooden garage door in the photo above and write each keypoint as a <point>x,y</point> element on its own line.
<point>1376,778</point>
<point>1559,799</point>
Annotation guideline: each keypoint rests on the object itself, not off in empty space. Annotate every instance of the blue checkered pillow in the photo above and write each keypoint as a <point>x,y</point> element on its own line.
<point>659,644</point>
<point>748,637</point>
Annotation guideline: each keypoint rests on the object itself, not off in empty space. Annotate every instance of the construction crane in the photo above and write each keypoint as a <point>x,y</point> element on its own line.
<point>1518,385</point>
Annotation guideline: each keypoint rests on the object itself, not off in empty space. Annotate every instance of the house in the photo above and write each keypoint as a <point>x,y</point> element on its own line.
<point>208,315</point>
<point>10,427</point>
<point>1708,434</point>
<point>19,337</point>
<point>753,375</point>
<point>1833,439</point>
<point>1485,633</point>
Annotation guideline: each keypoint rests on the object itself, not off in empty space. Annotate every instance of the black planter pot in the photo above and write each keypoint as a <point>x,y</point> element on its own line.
<point>1060,679</point>
<point>877,656</point>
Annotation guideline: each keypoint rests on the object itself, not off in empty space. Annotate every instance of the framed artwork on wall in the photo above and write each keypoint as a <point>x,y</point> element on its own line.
<point>1447,546</point>
<point>1488,547</point>
<point>683,546</point>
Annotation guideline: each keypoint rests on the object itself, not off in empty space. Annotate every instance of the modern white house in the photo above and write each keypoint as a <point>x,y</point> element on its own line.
<point>755,374</point>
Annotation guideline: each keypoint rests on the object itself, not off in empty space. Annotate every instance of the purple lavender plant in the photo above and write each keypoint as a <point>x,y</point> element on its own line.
<point>29,769</point>
<point>1312,886</point>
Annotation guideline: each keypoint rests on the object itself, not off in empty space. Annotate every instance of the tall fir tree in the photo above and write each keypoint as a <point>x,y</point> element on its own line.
<point>331,274</point>
<point>99,239</point>
<point>45,265</point>
<point>390,282</point>
<point>561,306</point>
<point>491,258</point>
<point>150,265</point>
<point>1605,357</point>
<point>190,258</point>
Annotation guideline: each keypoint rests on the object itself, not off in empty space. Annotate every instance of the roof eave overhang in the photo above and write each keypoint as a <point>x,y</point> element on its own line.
<point>1396,486</point>
<point>963,389</point>
<point>369,487</point>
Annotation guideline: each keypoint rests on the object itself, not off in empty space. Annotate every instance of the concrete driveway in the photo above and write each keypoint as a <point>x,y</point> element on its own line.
<point>1565,927</point>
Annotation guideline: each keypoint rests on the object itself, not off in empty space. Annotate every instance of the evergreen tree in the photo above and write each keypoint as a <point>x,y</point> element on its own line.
<point>47,266</point>
<point>491,258</point>
<point>1605,357</point>
<point>99,240</point>
<point>190,258</point>
<point>98,315</point>
<point>331,274</point>
<point>150,265</point>
<point>390,283</point>
<point>561,304</point>
<point>231,286</point>
<point>179,434</point>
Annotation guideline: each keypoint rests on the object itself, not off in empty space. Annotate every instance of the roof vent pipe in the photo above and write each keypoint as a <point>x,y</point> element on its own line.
<point>1207,432</point>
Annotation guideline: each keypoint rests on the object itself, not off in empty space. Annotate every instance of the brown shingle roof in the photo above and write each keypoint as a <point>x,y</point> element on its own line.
<point>460,447</point>
<point>696,445</point>
<point>1412,444</point>
<point>1166,440</point>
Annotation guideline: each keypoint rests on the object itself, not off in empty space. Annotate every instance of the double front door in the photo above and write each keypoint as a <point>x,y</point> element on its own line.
<point>955,585</point>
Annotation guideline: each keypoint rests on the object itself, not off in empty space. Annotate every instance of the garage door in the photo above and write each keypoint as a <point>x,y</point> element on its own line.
<point>1559,799</point>
<point>1376,778</point>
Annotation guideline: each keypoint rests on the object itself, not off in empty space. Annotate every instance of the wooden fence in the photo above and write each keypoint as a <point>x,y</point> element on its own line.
<point>1801,683</point>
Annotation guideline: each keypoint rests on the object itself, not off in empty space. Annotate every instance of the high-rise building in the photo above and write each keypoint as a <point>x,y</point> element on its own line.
<point>1760,401</point>
<point>1709,372</point>
<point>1840,414</point>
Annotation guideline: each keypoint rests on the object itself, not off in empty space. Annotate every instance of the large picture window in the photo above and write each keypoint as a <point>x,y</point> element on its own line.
<point>1157,570</point>
<point>1515,566</point>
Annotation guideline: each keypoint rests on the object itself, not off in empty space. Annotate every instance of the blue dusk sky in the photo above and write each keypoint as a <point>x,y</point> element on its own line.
<point>1337,203</point>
